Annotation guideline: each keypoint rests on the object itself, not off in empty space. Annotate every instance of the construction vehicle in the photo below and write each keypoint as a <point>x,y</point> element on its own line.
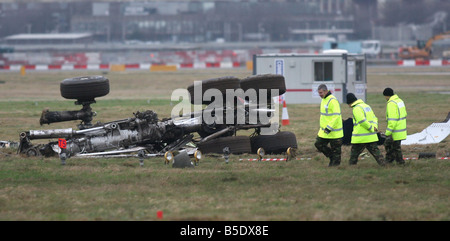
<point>422,50</point>
<point>371,48</point>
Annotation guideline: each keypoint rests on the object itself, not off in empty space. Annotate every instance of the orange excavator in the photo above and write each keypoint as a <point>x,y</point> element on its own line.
<point>422,50</point>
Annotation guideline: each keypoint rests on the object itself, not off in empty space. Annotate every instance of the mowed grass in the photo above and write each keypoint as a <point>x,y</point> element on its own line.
<point>304,189</point>
<point>41,189</point>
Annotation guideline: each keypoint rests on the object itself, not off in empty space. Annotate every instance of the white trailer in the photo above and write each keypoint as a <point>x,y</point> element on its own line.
<point>342,73</point>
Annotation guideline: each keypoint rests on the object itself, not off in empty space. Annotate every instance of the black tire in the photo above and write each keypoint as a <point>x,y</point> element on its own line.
<point>425,155</point>
<point>265,81</point>
<point>237,145</point>
<point>84,88</point>
<point>274,144</point>
<point>222,84</point>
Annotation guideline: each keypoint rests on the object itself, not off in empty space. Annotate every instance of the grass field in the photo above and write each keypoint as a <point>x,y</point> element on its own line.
<point>119,189</point>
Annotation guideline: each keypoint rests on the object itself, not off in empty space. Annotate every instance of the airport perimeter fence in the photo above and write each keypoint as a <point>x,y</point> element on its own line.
<point>162,60</point>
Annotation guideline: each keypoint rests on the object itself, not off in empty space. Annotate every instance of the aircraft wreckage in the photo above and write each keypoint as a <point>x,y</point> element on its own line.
<point>147,135</point>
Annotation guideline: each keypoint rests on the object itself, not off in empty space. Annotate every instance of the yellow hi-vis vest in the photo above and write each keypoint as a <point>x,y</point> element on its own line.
<point>330,118</point>
<point>396,118</point>
<point>364,123</point>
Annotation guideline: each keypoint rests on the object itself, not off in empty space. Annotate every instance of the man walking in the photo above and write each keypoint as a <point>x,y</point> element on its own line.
<point>396,126</point>
<point>330,127</point>
<point>365,127</point>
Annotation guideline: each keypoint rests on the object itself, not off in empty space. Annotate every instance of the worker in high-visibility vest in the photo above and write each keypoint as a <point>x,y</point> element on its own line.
<point>365,128</point>
<point>396,126</point>
<point>331,131</point>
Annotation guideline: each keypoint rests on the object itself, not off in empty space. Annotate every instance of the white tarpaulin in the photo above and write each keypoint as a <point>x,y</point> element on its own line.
<point>434,133</point>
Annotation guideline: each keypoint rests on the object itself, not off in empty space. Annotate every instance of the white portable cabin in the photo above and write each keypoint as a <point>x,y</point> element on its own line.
<point>342,73</point>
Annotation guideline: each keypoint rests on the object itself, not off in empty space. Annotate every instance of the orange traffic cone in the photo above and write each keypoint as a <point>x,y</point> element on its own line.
<point>284,115</point>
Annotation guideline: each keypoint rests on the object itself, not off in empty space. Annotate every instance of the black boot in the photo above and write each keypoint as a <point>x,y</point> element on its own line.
<point>333,163</point>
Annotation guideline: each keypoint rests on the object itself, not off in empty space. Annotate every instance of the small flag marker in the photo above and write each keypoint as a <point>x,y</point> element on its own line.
<point>159,214</point>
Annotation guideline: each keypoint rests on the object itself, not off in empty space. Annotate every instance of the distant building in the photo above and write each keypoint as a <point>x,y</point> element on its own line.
<point>183,21</point>
<point>200,21</point>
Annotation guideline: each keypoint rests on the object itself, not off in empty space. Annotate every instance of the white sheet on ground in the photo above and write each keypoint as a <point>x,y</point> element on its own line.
<point>434,133</point>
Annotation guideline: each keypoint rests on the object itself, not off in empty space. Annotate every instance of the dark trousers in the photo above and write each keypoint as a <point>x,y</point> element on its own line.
<point>333,152</point>
<point>393,150</point>
<point>372,147</point>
